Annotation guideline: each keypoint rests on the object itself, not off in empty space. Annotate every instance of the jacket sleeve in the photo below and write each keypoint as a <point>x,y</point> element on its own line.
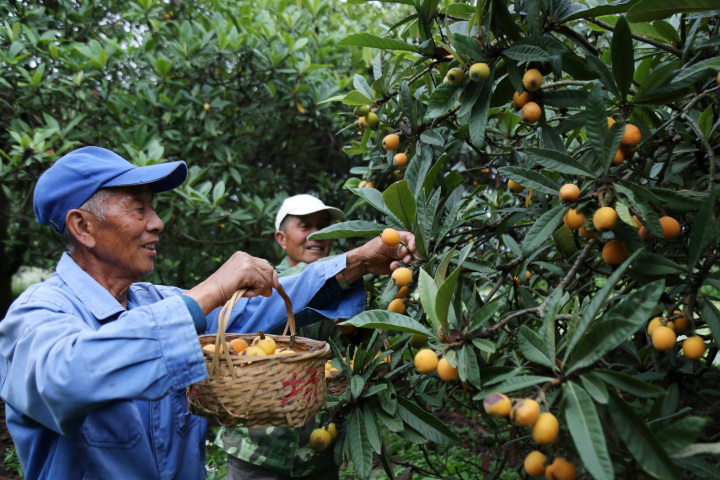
<point>314,293</point>
<point>56,367</point>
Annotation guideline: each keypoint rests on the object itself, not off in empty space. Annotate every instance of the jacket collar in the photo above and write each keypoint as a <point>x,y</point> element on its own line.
<point>93,295</point>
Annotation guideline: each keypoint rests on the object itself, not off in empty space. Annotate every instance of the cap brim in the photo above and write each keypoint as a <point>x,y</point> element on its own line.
<point>160,178</point>
<point>335,213</point>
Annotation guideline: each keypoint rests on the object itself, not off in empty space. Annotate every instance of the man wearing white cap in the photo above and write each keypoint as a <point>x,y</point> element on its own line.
<point>298,217</point>
<point>282,453</point>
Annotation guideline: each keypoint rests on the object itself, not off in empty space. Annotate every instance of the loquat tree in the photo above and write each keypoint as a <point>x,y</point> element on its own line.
<point>623,132</point>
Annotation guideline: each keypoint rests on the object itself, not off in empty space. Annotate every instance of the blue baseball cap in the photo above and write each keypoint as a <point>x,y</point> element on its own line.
<point>75,177</point>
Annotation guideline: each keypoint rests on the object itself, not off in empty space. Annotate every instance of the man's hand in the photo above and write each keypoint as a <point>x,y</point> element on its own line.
<point>239,271</point>
<point>377,258</point>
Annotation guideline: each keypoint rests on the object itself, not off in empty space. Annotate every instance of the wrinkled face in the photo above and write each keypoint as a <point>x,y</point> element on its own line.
<point>293,239</point>
<point>126,240</point>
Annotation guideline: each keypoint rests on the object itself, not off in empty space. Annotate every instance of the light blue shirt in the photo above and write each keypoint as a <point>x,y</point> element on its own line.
<point>94,391</point>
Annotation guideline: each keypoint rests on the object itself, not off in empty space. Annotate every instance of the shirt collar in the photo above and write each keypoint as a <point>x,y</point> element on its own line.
<point>93,295</point>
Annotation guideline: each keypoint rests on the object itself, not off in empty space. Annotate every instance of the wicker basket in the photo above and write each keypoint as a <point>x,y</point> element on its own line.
<point>274,390</point>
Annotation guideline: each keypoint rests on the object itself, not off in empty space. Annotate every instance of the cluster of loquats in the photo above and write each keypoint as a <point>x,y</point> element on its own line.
<point>545,428</point>
<point>663,332</point>
<point>261,345</point>
<point>426,361</point>
<point>401,277</point>
<point>478,72</point>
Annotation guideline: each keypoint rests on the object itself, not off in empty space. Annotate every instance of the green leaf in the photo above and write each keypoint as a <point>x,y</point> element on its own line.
<point>628,383</point>
<point>401,202</point>
<point>587,431</point>
<point>360,450</point>
<point>477,122</point>
<point>654,264</point>
<point>387,321</point>
<point>371,428</point>
<point>372,41</point>
<point>597,128</point>
<point>702,230</point>
<point>351,229</point>
<point>526,53</point>
<point>425,423</point>
<point>373,197</point>
<point>530,179</point>
<point>649,10</point>
<point>356,97</point>
<point>542,229</point>
<point>441,100</point>
<point>712,317</point>
<point>623,56</point>
<point>484,345</point>
<point>565,98</point>
<point>618,6</point>
<point>444,298</point>
<point>558,162</point>
<point>428,294</point>
<point>468,368</point>
<point>471,47</point>
<point>641,443</point>
<point>513,384</point>
<point>357,383</point>
<point>534,348</point>
<point>617,325</point>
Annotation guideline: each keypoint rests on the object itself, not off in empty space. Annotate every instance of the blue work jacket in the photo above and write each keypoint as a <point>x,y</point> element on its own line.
<point>95,391</point>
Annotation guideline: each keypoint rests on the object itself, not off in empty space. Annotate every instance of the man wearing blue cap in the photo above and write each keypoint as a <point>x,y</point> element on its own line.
<point>94,365</point>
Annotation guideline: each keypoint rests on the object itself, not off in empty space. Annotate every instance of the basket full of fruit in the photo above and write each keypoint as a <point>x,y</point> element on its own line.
<point>260,380</point>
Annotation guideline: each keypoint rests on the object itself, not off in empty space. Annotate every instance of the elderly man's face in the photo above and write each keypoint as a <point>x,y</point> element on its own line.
<point>129,234</point>
<point>294,238</point>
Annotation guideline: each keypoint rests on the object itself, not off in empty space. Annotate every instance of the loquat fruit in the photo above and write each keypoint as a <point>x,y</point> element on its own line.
<point>372,120</point>
<point>681,323</point>
<point>497,405</point>
<point>362,184</point>
<point>418,340</point>
<point>586,233</point>
<point>447,372</point>
<point>266,343</point>
<point>614,252</point>
<point>479,72</point>
<point>531,112</point>
<point>515,187</point>
<point>253,351</point>
<point>403,292</point>
<point>574,219</point>
<point>528,275</point>
<point>532,79</point>
<point>560,469</point>
<point>525,413</point>
<point>400,160</point>
<point>370,184</point>
<point>455,76</point>
<point>545,430</point>
<point>402,276</point>
<point>604,219</point>
<point>520,99</point>
<point>611,121</point>
<point>663,338</point>
<point>397,305</point>
<point>390,237</point>
<point>361,110</point>
<point>631,137</point>
<point>618,158</point>
<point>238,345</point>
<point>206,106</point>
<point>391,142</point>
<point>653,324</point>
<point>426,361</point>
<point>534,463</point>
<point>694,347</point>
<point>320,439</point>
<point>332,430</point>
<point>670,226</point>
<point>569,193</point>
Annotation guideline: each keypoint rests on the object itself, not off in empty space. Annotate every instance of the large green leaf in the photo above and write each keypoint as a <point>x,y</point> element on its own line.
<point>534,348</point>
<point>581,11</point>
<point>444,298</point>
<point>617,325</point>
<point>425,423</point>
<point>628,383</point>
<point>441,100</point>
<point>401,202</point>
<point>351,229</point>
<point>387,321</point>
<point>360,449</point>
<point>479,115</point>
<point>526,53</point>
<point>623,56</point>
<point>558,162</point>
<point>649,10</point>
<point>471,47</point>
<point>513,384</point>
<point>703,230</point>
<point>428,295</point>
<point>373,197</point>
<point>642,444</point>
<point>372,41</point>
<point>654,264</point>
<point>356,97</point>
<point>530,179</point>
<point>542,229</point>
<point>587,431</point>
<point>565,98</point>
<point>597,128</point>
<point>712,317</point>
<point>468,368</point>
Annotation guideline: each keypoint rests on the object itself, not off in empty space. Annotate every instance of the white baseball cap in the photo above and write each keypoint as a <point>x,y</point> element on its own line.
<point>305,205</point>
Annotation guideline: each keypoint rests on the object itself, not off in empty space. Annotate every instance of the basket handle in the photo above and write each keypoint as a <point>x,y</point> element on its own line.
<point>224,318</point>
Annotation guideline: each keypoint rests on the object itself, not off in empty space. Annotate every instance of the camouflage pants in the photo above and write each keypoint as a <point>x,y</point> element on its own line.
<point>240,470</point>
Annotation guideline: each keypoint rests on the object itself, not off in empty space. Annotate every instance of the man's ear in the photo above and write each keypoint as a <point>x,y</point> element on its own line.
<point>280,239</point>
<point>79,225</point>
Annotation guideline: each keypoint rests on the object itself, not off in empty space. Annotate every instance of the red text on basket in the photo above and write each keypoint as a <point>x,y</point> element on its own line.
<point>306,386</point>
